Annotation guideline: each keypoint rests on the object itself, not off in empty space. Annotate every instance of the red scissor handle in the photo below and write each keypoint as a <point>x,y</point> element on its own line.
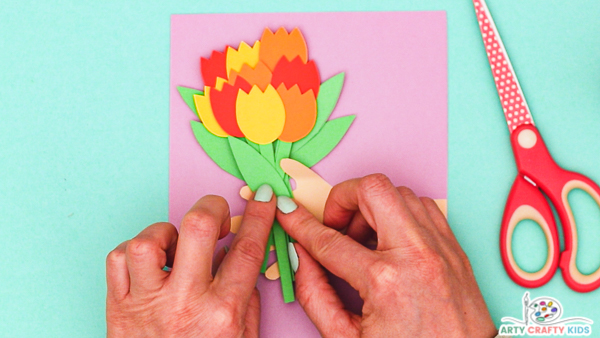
<point>535,165</point>
<point>525,201</point>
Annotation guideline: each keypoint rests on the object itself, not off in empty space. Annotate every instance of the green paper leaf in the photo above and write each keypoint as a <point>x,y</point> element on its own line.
<point>324,142</point>
<point>187,94</point>
<point>329,93</point>
<point>255,169</point>
<point>217,148</point>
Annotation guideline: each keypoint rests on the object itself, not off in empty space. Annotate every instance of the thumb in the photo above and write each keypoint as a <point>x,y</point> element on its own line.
<point>320,301</point>
<point>311,189</point>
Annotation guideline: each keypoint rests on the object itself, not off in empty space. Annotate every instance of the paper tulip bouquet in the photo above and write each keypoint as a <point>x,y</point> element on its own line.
<point>262,104</point>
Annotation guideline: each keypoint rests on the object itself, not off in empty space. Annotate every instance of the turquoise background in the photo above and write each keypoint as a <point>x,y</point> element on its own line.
<point>84,141</point>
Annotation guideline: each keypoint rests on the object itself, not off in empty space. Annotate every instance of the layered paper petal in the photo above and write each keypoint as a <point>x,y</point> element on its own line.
<point>290,73</point>
<point>243,55</point>
<point>300,113</point>
<point>260,115</point>
<point>259,75</point>
<point>223,103</point>
<point>205,113</point>
<point>213,68</point>
<point>281,44</point>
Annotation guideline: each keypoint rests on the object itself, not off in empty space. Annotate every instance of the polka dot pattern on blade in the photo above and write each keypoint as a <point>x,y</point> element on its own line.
<point>513,102</point>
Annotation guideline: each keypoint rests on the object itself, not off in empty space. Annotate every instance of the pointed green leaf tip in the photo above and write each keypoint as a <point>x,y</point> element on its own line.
<point>324,142</point>
<point>329,94</point>
<point>187,94</point>
<point>217,148</point>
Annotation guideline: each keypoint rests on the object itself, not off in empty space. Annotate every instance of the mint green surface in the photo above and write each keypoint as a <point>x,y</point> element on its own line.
<point>84,105</point>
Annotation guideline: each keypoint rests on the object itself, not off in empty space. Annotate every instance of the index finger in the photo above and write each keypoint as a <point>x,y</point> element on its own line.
<point>239,271</point>
<point>202,226</point>
<point>338,253</point>
<point>380,203</point>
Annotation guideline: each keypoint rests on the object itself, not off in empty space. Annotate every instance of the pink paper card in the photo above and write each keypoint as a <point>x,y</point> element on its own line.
<point>395,66</point>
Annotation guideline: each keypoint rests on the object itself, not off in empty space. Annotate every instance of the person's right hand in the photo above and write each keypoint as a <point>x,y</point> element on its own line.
<point>418,282</point>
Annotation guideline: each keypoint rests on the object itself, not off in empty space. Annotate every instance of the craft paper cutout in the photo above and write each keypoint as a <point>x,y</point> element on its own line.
<point>260,106</point>
<point>312,192</point>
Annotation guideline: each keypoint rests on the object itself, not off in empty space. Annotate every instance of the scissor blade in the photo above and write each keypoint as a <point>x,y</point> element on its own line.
<point>513,102</point>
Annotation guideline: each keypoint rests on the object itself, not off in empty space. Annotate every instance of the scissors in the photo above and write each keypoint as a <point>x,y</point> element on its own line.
<point>537,175</point>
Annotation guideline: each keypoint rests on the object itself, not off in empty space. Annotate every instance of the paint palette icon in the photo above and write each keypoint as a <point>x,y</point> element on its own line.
<point>545,310</point>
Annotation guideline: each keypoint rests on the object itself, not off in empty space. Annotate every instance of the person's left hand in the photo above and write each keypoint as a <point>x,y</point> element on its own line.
<point>143,300</point>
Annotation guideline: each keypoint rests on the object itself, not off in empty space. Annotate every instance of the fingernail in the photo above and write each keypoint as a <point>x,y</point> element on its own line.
<point>264,193</point>
<point>226,248</point>
<point>293,257</point>
<point>286,204</point>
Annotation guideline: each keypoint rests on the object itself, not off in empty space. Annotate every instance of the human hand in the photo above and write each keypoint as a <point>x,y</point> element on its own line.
<point>145,301</point>
<point>418,281</point>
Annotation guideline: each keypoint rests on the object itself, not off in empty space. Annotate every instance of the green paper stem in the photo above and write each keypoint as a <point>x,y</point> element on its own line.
<point>187,94</point>
<point>255,169</point>
<point>266,150</point>
<point>283,260</point>
<point>252,144</point>
<point>283,150</point>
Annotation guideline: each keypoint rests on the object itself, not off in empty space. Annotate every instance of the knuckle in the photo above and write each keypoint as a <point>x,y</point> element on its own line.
<point>376,184</point>
<point>324,242</point>
<point>383,276</point>
<point>201,223</point>
<point>115,257</point>
<point>258,215</point>
<point>299,222</point>
<point>250,249</point>
<point>141,247</point>
<point>406,192</point>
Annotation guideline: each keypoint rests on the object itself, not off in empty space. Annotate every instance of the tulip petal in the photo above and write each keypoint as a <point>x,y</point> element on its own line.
<point>281,44</point>
<point>290,73</point>
<point>300,113</point>
<point>213,68</point>
<point>205,113</point>
<point>243,55</point>
<point>223,105</point>
<point>260,115</point>
<point>259,75</point>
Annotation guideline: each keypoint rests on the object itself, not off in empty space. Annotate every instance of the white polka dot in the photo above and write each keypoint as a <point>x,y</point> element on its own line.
<point>521,118</point>
<point>515,120</point>
<point>517,105</point>
<point>510,108</point>
<point>509,115</point>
